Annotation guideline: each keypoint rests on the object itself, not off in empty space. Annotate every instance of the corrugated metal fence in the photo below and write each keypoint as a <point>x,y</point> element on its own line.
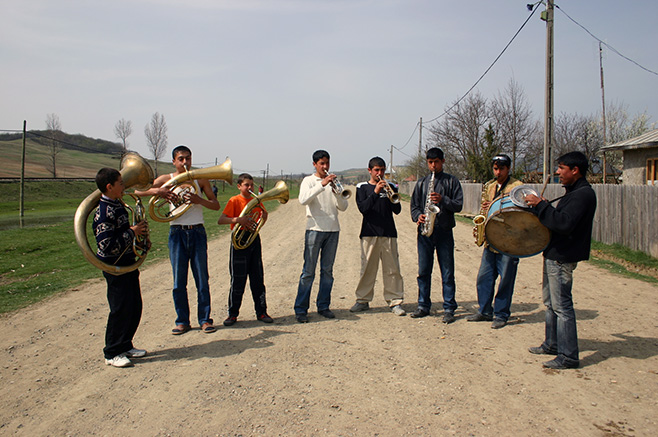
<point>625,214</point>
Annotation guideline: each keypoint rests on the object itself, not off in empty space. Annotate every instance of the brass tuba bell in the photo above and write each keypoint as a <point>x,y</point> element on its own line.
<point>162,210</point>
<point>243,237</point>
<point>136,173</point>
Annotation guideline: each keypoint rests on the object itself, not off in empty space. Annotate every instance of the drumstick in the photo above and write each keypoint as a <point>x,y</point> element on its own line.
<point>544,187</point>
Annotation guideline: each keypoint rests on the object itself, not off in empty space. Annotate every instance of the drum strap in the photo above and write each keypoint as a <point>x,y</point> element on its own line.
<point>502,188</point>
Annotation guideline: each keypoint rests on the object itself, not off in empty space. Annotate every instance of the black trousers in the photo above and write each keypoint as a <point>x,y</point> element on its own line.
<point>243,264</point>
<point>125,299</point>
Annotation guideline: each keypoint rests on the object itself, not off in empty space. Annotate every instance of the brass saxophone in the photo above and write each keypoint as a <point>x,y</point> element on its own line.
<point>431,210</point>
<point>479,221</point>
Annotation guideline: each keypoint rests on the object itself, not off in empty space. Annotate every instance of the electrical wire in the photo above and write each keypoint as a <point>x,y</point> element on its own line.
<point>612,49</point>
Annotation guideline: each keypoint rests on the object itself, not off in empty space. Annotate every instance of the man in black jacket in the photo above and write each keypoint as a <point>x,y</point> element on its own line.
<point>447,194</point>
<point>570,223</point>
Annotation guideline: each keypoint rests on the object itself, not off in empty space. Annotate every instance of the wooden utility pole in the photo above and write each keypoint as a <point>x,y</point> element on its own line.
<point>391,164</point>
<point>21,210</point>
<point>420,146</point>
<point>605,141</point>
<point>548,108</point>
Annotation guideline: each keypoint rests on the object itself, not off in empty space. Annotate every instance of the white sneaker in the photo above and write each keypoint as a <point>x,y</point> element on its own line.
<point>398,311</point>
<point>136,353</point>
<point>119,361</point>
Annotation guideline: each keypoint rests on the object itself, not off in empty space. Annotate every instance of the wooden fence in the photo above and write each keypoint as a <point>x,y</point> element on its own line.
<point>625,214</point>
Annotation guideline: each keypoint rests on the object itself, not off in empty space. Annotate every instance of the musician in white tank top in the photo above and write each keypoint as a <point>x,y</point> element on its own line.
<point>193,215</point>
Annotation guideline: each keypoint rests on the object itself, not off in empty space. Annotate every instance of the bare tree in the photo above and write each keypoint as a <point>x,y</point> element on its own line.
<point>122,130</point>
<point>461,135</point>
<point>156,137</point>
<point>514,122</point>
<point>54,128</point>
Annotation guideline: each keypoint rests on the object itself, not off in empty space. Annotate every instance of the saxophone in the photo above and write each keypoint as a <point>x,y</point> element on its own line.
<point>431,210</point>
<point>480,220</point>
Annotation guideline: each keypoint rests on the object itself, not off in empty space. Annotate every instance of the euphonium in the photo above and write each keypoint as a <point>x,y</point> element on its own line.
<point>392,195</point>
<point>162,210</point>
<point>338,188</point>
<point>243,237</point>
<point>431,210</point>
<point>136,173</point>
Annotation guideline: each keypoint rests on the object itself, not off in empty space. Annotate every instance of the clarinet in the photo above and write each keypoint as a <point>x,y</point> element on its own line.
<point>431,210</point>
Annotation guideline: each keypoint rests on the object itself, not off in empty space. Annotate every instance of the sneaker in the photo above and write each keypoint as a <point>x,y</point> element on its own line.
<point>479,318</point>
<point>327,313</point>
<point>302,318</point>
<point>398,310</point>
<point>539,350</point>
<point>359,306</point>
<point>265,318</point>
<point>136,353</point>
<point>448,318</point>
<point>498,323</point>
<point>119,361</point>
<point>419,313</point>
<point>560,365</point>
<point>230,321</point>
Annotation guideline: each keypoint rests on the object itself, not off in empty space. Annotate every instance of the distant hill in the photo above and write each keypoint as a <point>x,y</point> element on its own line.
<point>80,156</point>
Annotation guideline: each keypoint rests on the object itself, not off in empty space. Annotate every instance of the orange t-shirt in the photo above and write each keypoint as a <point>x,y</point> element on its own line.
<point>235,205</point>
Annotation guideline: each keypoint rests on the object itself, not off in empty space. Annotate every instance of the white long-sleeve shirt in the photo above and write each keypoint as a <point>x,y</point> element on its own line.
<point>322,205</point>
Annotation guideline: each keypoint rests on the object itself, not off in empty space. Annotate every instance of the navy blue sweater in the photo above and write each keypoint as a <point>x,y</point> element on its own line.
<point>114,237</point>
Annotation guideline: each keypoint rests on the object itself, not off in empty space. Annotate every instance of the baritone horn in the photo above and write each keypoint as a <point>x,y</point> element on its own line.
<point>136,173</point>
<point>392,195</point>
<point>243,237</point>
<point>163,210</point>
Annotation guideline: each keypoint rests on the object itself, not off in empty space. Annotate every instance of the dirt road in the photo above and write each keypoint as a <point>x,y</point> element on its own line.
<point>369,373</point>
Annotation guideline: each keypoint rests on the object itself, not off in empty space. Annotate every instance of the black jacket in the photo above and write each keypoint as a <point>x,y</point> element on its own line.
<point>452,201</point>
<point>570,223</point>
<point>377,211</point>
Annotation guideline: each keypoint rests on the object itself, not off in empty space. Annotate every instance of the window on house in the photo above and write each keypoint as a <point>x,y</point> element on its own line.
<point>652,171</point>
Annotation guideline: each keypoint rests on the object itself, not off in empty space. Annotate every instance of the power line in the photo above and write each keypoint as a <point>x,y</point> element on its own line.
<point>604,43</point>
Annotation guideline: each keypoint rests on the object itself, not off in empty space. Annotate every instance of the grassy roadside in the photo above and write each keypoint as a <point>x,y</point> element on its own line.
<point>42,258</point>
<point>615,259</point>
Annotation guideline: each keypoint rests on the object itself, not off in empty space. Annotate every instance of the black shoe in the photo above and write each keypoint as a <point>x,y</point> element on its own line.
<point>448,318</point>
<point>327,313</point>
<point>230,321</point>
<point>498,323</point>
<point>539,350</point>
<point>559,365</point>
<point>479,318</point>
<point>265,318</point>
<point>419,313</point>
<point>301,318</point>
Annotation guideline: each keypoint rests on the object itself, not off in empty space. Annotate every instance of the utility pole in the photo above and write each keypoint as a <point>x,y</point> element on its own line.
<point>605,141</point>
<point>420,146</point>
<point>547,16</point>
<point>391,163</point>
<point>21,210</point>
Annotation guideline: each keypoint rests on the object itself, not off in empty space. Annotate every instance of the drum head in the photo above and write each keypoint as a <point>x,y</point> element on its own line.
<point>516,232</point>
<point>518,193</point>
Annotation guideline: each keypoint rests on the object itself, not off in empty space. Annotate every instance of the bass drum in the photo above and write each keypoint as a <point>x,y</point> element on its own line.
<point>514,231</point>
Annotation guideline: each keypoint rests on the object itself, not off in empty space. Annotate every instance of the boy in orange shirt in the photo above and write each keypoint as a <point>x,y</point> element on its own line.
<point>248,262</point>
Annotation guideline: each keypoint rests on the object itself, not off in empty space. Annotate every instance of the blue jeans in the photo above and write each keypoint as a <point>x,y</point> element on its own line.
<point>189,247</point>
<point>314,243</point>
<point>561,333</point>
<point>442,242</point>
<point>492,265</point>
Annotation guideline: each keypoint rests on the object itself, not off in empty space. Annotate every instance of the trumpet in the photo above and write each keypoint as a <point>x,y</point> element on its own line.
<point>163,210</point>
<point>241,238</point>
<point>338,188</point>
<point>392,195</point>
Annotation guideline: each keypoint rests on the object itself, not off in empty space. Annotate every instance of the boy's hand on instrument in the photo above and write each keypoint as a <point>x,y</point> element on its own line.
<point>140,228</point>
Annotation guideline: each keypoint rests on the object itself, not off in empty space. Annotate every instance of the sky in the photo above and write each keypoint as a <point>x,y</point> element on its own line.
<point>268,82</point>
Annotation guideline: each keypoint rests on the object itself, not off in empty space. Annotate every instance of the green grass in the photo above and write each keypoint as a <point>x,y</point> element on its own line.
<point>40,260</point>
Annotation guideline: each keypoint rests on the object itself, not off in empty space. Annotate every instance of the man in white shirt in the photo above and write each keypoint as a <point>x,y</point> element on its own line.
<point>322,203</point>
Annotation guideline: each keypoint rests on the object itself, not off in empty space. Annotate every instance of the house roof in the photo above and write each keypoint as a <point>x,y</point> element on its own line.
<point>646,140</point>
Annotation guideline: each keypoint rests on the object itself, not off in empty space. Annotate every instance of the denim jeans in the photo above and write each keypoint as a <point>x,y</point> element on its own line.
<point>189,247</point>
<point>442,242</point>
<point>323,245</point>
<point>494,265</point>
<point>561,334</point>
